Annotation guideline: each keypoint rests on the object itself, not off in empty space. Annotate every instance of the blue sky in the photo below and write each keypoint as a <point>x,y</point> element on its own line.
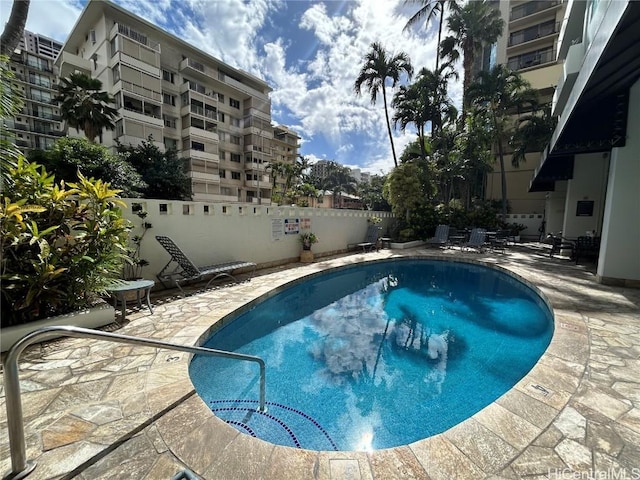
<point>310,53</point>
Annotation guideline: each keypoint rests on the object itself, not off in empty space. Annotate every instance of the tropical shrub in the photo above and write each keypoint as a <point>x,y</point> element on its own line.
<point>61,244</point>
<point>72,155</point>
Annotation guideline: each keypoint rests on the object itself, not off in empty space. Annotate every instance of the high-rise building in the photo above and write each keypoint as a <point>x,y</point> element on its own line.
<point>529,45</point>
<point>216,116</point>
<point>37,125</point>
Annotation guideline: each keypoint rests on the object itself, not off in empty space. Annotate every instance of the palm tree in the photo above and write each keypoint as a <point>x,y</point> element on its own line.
<point>476,24</point>
<point>339,181</point>
<point>501,94</point>
<point>84,107</point>
<point>431,9</point>
<point>14,28</point>
<point>378,67</point>
<point>424,101</point>
<point>532,133</point>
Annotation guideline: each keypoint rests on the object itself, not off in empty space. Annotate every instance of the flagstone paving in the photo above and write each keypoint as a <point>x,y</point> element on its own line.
<point>99,410</point>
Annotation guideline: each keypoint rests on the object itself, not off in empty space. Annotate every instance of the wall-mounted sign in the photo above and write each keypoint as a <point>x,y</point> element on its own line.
<point>305,223</point>
<point>584,208</point>
<point>277,229</point>
<point>291,226</point>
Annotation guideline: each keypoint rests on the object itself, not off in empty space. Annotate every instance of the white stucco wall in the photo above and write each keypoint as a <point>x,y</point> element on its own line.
<point>588,184</point>
<point>620,249</point>
<point>554,208</point>
<point>243,231</point>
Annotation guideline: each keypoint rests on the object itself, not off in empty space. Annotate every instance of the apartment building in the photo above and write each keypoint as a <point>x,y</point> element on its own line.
<point>529,45</point>
<point>590,169</point>
<point>217,116</point>
<point>38,125</point>
<point>285,143</point>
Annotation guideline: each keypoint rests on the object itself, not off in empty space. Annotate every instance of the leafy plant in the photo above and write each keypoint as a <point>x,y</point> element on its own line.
<point>133,263</point>
<point>61,244</point>
<point>516,228</point>
<point>307,239</point>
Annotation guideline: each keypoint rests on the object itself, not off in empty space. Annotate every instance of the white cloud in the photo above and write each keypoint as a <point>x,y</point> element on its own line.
<point>312,95</point>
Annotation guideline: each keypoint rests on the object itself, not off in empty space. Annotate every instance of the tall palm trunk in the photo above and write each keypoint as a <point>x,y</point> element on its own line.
<point>386,114</point>
<point>439,38</point>
<point>14,28</point>
<point>503,174</point>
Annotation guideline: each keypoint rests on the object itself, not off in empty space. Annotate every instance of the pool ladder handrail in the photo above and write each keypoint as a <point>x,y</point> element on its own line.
<point>20,467</point>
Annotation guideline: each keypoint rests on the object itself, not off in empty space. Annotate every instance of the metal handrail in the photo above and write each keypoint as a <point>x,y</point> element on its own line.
<point>20,468</point>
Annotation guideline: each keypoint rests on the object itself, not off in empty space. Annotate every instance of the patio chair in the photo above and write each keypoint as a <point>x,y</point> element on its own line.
<point>185,270</point>
<point>441,236</point>
<point>370,240</point>
<point>476,239</point>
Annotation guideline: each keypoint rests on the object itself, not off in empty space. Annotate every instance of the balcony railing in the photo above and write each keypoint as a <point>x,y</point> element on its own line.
<point>40,99</point>
<point>530,8</point>
<point>142,91</point>
<point>532,33</point>
<point>532,59</point>
<point>39,66</point>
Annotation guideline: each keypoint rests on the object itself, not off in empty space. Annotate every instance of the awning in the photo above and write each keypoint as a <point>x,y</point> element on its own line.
<point>595,119</point>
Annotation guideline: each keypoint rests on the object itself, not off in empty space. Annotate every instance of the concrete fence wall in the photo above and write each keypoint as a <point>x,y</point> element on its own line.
<point>211,233</point>
<point>531,220</point>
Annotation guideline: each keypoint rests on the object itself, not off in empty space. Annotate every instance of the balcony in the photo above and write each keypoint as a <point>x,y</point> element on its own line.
<point>206,177</point>
<point>203,112</point>
<point>39,66</point>
<point>532,12</point>
<point>198,132</point>
<point>138,90</point>
<point>532,59</point>
<point>264,183</point>
<point>69,63</point>
<point>40,99</point>
<point>200,155</point>
<point>570,70</point>
<point>141,116</point>
<point>198,69</point>
<point>540,33</point>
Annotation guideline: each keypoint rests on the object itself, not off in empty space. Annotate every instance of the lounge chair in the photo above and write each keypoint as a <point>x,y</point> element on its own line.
<point>370,240</point>
<point>476,239</point>
<point>441,237</point>
<point>185,270</point>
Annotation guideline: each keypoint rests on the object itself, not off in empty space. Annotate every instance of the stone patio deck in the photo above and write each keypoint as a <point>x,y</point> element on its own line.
<point>99,410</point>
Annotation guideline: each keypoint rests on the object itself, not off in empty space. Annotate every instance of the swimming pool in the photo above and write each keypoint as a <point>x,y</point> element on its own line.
<point>375,355</point>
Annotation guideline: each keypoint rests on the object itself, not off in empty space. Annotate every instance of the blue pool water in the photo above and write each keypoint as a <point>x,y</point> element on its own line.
<point>376,355</point>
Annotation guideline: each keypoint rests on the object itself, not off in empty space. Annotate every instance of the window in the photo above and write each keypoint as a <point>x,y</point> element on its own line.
<point>116,73</point>
<point>222,173</point>
<point>114,45</point>
<point>221,117</point>
<point>234,103</point>
<point>235,122</point>
<point>169,99</point>
<point>168,76</point>
<point>197,146</point>
<point>220,97</point>
<point>169,122</point>
<point>119,128</point>
<point>170,143</point>
<point>236,176</point>
<point>235,139</point>
<point>221,154</point>
<point>92,37</point>
<point>235,157</point>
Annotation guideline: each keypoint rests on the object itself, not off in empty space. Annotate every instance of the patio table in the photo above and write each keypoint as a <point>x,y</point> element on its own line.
<point>119,291</point>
